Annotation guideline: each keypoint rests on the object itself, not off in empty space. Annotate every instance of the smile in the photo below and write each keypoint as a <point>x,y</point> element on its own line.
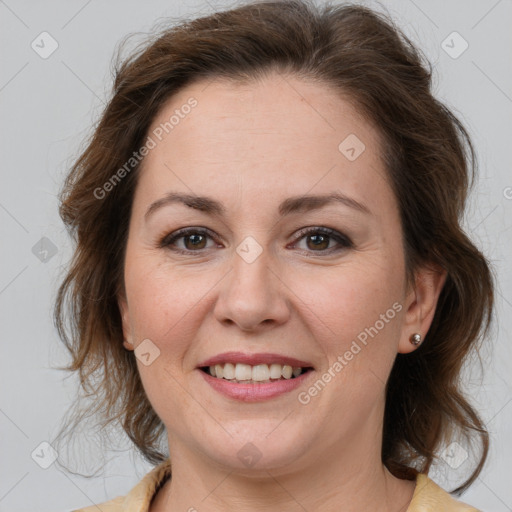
<point>247,374</point>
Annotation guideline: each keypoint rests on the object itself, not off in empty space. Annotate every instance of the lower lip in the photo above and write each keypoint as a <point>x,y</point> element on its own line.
<point>254,392</point>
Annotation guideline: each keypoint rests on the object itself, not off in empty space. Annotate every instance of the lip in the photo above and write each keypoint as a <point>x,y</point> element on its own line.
<point>255,392</point>
<point>254,359</point>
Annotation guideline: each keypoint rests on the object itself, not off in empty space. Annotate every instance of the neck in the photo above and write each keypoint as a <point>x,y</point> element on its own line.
<point>348,478</point>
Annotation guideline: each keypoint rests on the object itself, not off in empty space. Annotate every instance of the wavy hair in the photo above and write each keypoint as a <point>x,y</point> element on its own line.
<point>431,166</point>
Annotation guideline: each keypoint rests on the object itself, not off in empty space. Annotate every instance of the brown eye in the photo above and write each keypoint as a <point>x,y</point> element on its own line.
<point>197,241</point>
<point>320,240</point>
<point>194,240</point>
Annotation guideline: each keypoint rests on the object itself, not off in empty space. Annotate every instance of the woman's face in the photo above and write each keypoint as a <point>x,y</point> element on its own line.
<point>248,278</point>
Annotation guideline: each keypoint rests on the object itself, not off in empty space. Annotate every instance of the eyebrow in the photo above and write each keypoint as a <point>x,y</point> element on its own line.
<point>291,205</point>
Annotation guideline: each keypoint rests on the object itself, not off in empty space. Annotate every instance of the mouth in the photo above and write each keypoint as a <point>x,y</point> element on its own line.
<point>240,373</point>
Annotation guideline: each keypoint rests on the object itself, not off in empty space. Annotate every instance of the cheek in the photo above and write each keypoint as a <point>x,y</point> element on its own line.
<point>360,319</point>
<point>346,300</point>
<point>355,315</point>
<point>169,305</point>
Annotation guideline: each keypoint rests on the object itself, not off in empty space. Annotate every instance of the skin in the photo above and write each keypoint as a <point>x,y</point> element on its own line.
<point>250,147</point>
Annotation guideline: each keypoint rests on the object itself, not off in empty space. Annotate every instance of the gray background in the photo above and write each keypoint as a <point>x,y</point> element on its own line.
<point>47,107</point>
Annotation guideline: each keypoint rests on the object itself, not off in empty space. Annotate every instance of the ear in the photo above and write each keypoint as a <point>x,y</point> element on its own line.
<point>420,305</point>
<point>127,331</point>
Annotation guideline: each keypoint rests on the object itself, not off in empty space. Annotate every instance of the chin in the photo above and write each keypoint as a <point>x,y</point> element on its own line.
<point>256,445</point>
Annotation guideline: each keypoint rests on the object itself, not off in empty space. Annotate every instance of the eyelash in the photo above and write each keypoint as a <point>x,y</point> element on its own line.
<point>168,240</point>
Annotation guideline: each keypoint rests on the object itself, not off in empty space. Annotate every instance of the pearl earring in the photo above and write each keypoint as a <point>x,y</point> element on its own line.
<point>415,339</point>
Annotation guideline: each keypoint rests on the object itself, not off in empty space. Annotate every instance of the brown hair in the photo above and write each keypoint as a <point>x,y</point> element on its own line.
<point>431,165</point>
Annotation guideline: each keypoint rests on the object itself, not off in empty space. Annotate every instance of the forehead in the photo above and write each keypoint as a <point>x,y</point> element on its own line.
<point>278,135</point>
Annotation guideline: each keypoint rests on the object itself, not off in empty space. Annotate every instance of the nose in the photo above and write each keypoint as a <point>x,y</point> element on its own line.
<point>253,295</point>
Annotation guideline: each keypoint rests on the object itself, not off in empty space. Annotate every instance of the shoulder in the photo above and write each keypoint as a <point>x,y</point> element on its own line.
<point>429,497</point>
<point>139,498</point>
<point>115,505</point>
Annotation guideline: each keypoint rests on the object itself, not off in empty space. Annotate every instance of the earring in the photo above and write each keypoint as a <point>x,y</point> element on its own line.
<point>415,339</point>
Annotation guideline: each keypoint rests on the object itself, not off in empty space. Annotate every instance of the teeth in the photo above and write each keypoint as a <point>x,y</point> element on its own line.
<point>243,372</point>
<point>275,371</point>
<point>228,372</point>
<point>258,373</point>
<point>296,371</point>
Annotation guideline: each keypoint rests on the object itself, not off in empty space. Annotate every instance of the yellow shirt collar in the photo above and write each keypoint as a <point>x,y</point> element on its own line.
<point>427,497</point>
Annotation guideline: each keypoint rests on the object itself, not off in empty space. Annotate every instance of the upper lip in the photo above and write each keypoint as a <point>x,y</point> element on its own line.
<point>254,359</point>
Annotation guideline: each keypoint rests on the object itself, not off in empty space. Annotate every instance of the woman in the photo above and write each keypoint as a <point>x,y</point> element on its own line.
<point>270,273</point>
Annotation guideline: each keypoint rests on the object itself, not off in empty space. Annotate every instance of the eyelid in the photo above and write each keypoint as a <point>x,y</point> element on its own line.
<point>333,233</point>
<point>183,232</point>
<point>343,241</point>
